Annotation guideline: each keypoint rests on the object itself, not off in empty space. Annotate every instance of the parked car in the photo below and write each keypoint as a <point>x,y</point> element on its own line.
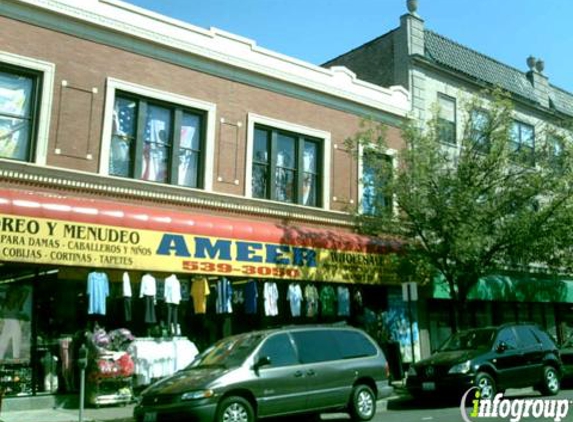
<point>566,352</point>
<point>285,371</point>
<point>493,359</point>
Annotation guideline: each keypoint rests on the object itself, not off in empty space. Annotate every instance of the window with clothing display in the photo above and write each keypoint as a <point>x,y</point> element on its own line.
<point>156,141</point>
<point>376,170</point>
<point>286,167</point>
<point>19,99</point>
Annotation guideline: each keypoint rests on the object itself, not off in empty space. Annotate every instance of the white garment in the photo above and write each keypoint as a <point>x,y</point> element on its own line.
<point>148,286</point>
<point>271,294</point>
<point>126,285</point>
<point>295,298</point>
<point>172,290</point>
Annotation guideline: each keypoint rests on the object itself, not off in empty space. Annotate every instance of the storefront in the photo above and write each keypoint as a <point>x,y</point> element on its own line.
<point>72,264</point>
<point>501,298</point>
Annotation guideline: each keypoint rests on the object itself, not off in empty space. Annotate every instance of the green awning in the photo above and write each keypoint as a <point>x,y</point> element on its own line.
<point>513,288</point>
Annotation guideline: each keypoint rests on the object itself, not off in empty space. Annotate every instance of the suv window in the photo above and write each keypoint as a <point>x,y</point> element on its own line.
<point>280,350</point>
<point>544,338</point>
<point>316,346</point>
<point>353,344</point>
<point>525,336</point>
<point>508,337</point>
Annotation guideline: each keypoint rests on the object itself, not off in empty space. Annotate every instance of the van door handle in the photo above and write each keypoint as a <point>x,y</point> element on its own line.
<point>298,374</point>
<point>310,372</point>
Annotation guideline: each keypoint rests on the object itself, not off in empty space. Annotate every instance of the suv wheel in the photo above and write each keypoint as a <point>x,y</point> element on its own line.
<point>550,384</point>
<point>486,385</point>
<point>363,405</point>
<point>235,409</point>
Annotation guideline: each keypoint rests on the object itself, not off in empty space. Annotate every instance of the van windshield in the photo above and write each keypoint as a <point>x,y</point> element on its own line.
<point>229,352</point>
<point>469,340</point>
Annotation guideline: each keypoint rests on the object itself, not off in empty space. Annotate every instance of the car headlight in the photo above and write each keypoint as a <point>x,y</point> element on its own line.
<point>412,371</point>
<point>199,394</point>
<point>461,368</point>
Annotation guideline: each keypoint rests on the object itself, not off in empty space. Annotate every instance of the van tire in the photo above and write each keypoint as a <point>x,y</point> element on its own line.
<point>363,403</point>
<point>235,409</point>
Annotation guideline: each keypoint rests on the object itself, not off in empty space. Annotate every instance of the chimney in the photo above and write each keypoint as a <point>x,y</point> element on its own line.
<point>539,81</point>
<point>408,41</point>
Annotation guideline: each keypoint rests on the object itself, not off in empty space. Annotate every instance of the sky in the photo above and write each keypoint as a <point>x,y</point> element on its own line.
<point>318,30</point>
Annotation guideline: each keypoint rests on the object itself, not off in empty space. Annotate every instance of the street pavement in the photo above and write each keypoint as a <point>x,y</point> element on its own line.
<point>124,413</point>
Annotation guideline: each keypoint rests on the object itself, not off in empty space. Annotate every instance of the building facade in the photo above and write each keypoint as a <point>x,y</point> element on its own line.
<point>174,181</point>
<point>442,75</point>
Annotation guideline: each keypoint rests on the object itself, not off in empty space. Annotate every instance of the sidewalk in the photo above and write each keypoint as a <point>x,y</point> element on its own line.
<point>102,414</point>
<point>123,413</point>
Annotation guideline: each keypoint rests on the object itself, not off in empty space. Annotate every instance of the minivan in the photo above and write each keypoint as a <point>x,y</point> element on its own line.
<point>275,372</point>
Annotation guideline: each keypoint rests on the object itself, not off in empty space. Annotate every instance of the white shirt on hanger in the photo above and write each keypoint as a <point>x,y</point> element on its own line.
<point>172,290</point>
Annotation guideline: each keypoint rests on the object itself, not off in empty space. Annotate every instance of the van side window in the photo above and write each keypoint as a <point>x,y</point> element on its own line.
<point>353,345</point>
<point>316,346</point>
<point>280,350</point>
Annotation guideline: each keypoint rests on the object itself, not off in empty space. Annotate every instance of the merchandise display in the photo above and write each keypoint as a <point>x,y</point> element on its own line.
<point>110,367</point>
<point>156,358</point>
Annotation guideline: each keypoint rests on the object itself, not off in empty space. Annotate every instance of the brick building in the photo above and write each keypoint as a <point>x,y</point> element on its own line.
<point>135,147</point>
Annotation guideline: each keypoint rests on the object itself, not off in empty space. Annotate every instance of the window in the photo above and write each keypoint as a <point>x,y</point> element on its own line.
<point>555,150</point>
<point>354,345</point>
<point>479,127</point>
<point>280,351</point>
<point>157,141</point>
<point>508,337</point>
<point>447,119</point>
<point>19,100</point>
<point>316,346</point>
<point>525,336</point>
<point>376,169</point>
<point>286,167</point>
<point>522,141</point>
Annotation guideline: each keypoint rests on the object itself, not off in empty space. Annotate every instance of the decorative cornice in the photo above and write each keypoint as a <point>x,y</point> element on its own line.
<point>223,48</point>
<point>179,196</point>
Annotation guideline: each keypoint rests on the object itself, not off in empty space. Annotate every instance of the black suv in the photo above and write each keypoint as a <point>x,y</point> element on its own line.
<point>492,359</point>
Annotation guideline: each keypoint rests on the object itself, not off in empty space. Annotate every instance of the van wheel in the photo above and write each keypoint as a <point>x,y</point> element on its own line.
<point>550,384</point>
<point>235,409</point>
<point>363,405</point>
<point>486,385</point>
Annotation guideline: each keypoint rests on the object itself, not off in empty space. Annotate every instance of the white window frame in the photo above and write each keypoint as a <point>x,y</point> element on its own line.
<point>326,138</point>
<point>44,112</point>
<point>113,85</point>
<point>390,152</point>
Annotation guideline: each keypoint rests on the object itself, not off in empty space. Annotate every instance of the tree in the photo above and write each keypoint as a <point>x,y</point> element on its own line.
<point>496,201</point>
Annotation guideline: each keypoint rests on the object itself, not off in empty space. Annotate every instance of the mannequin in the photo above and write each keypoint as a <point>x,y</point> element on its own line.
<point>126,297</point>
<point>172,295</point>
<point>148,290</point>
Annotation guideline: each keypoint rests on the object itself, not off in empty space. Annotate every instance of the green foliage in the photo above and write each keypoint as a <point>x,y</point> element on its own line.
<point>472,209</point>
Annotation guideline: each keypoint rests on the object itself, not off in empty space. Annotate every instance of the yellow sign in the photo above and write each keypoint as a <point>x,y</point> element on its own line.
<point>39,240</point>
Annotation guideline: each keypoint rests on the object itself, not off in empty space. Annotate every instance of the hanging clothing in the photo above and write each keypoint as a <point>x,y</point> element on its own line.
<point>126,285</point>
<point>172,292</point>
<point>343,301</point>
<point>126,292</point>
<point>294,297</point>
<point>148,286</point>
<point>251,296</point>
<point>311,297</point>
<point>199,292</point>
<point>327,299</point>
<point>98,291</point>
<point>271,294</point>
<point>224,296</point>
<point>148,290</point>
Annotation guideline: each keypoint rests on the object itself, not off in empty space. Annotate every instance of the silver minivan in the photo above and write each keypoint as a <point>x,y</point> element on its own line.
<point>283,371</point>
